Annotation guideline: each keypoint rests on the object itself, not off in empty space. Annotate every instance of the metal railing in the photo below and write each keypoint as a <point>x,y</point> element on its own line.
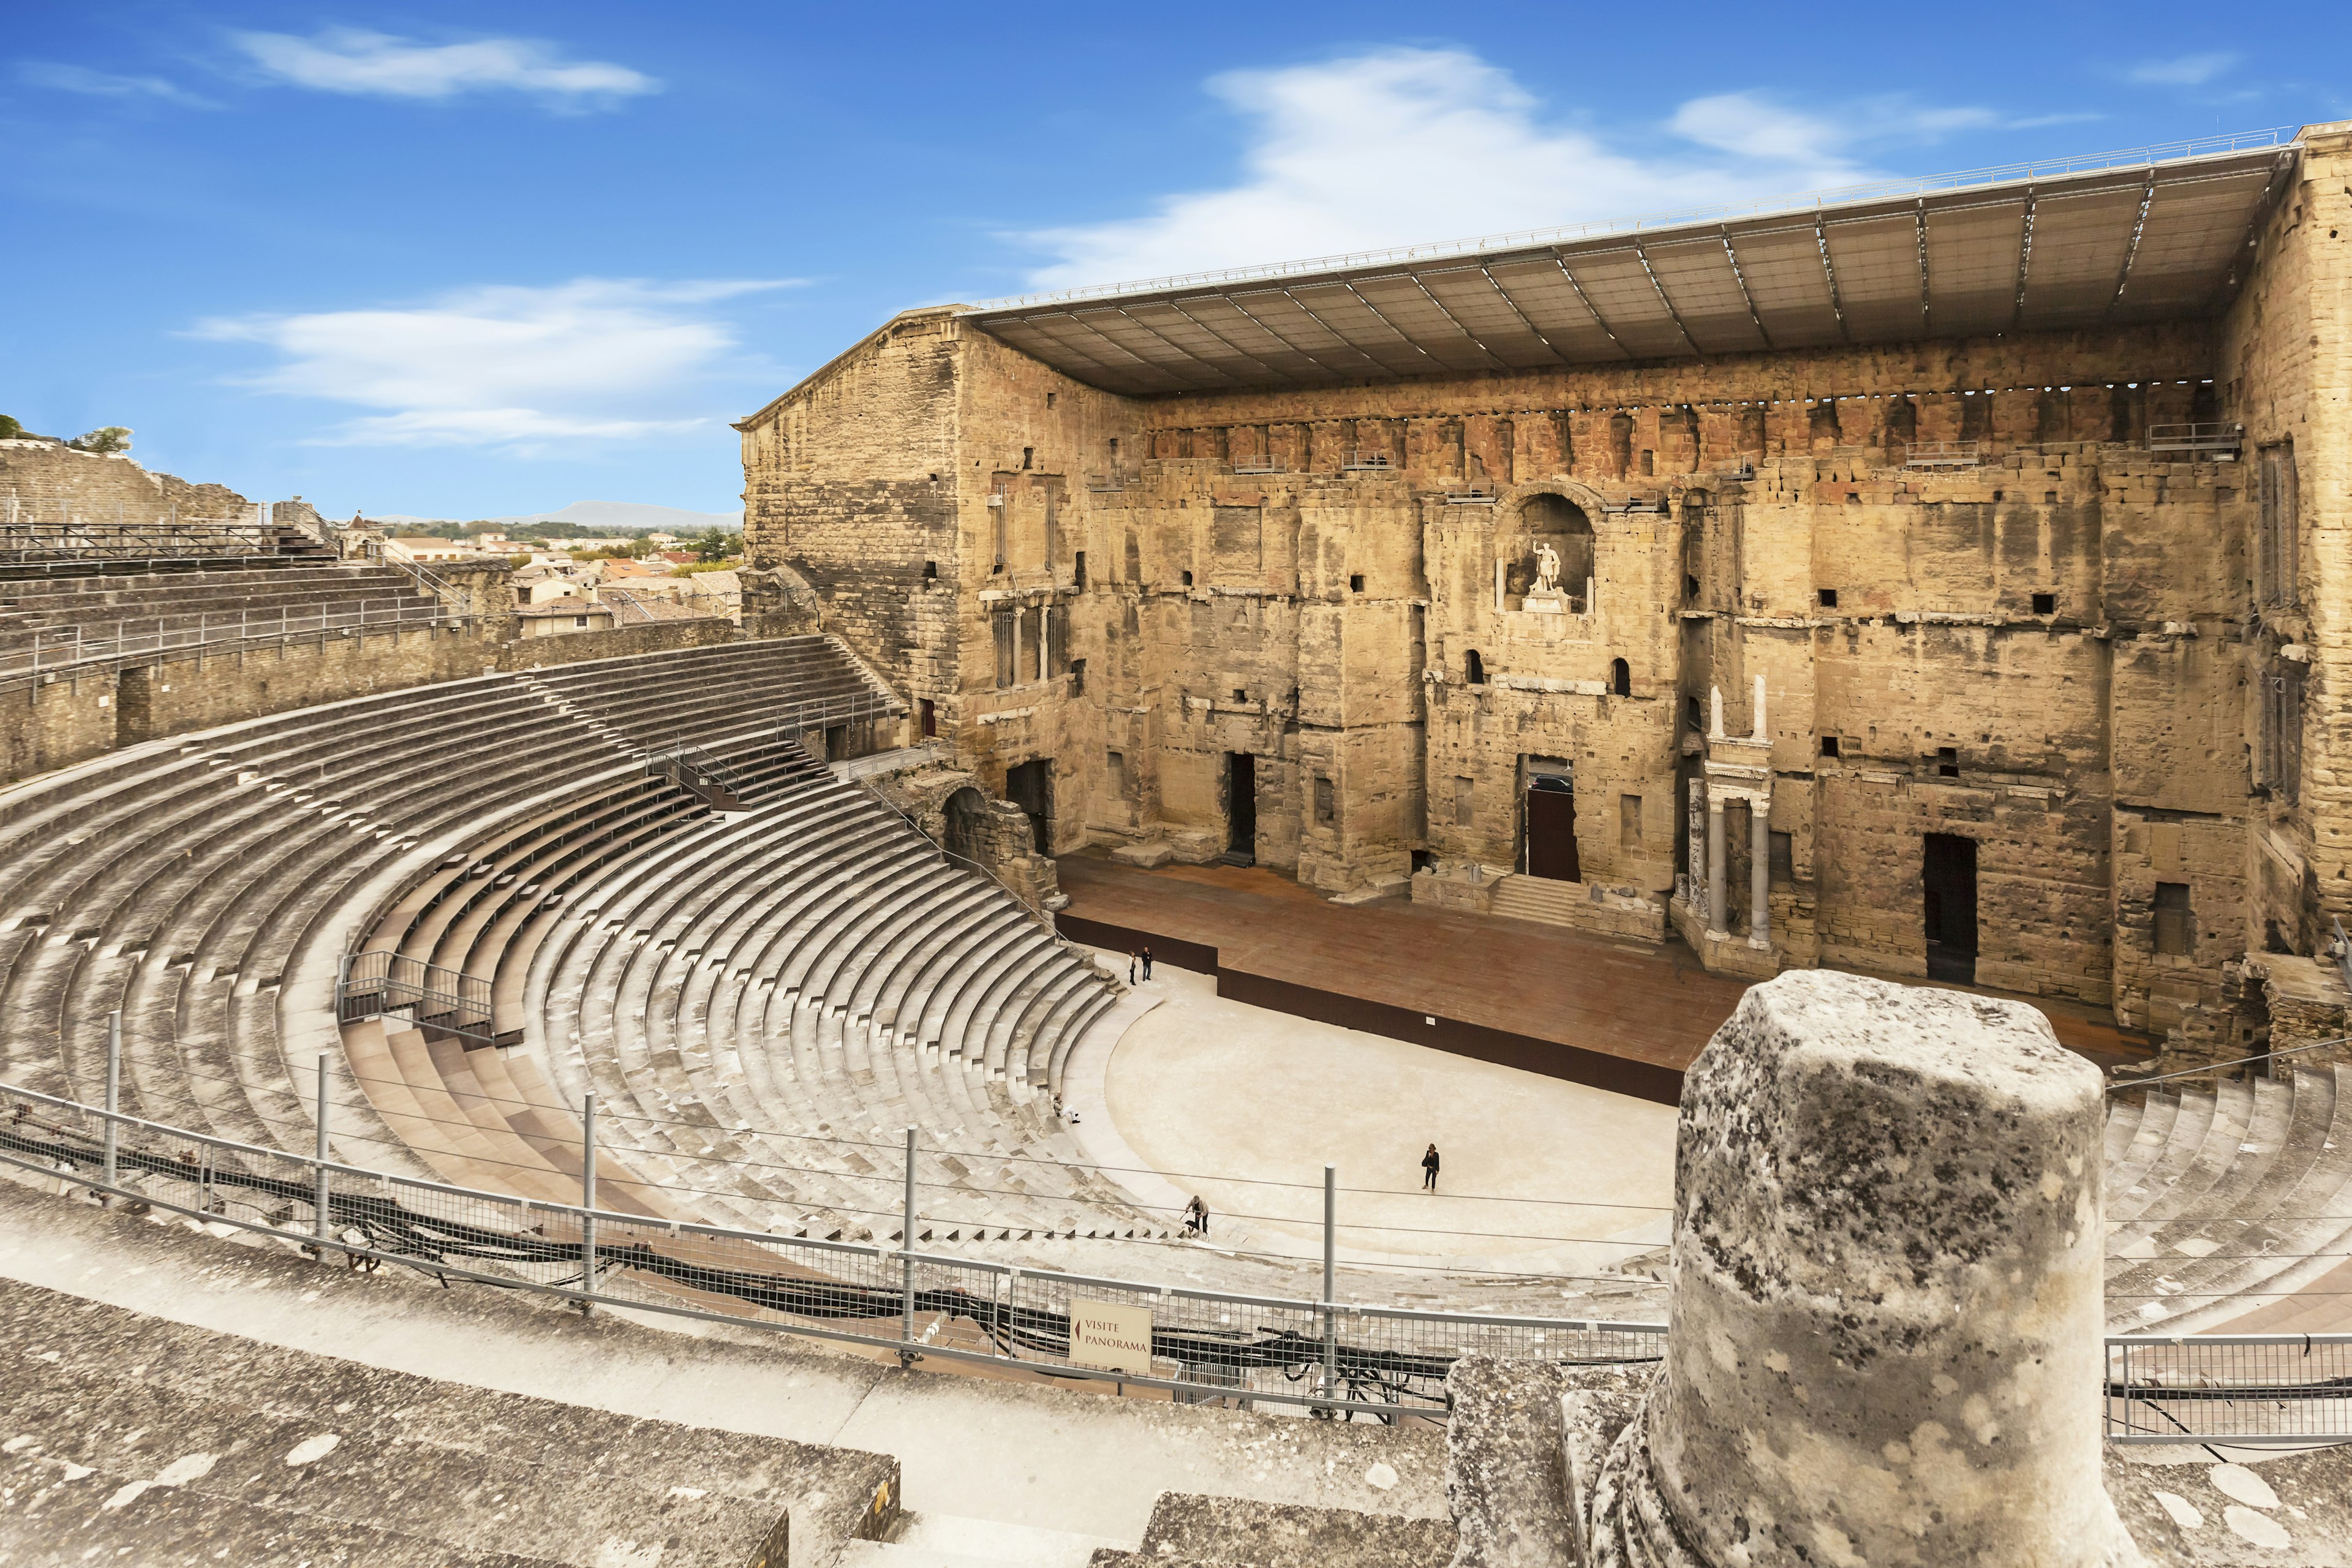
<point>1357,460</point>
<point>1471,495</point>
<point>381,983</point>
<point>48,652</point>
<point>691,767</point>
<point>1259,466</point>
<point>1943,454</point>
<point>2228,438</point>
<point>2244,1390</point>
<point>1929,184</point>
<point>62,543</point>
<point>1340,1358</point>
<point>813,714</point>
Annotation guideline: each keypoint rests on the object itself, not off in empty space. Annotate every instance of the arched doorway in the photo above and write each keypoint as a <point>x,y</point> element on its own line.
<point>1547,520</point>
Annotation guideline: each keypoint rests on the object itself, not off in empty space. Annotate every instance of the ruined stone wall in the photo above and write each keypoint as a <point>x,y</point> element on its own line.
<point>53,483</point>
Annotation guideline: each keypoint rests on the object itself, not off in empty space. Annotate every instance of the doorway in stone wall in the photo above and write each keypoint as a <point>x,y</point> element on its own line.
<point>1949,870</point>
<point>1241,809</point>
<point>1029,786</point>
<point>1551,829</point>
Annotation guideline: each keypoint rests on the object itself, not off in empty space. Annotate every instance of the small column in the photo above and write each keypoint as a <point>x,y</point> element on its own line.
<point>1718,858</point>
<point>1913,1379</point>
<point>1695,831</point>
<point>1759,874</point>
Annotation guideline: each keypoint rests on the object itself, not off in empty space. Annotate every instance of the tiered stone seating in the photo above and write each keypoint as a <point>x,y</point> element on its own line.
<point>2221,1198</point>
<point>183,881</point>
<point>818,967</point>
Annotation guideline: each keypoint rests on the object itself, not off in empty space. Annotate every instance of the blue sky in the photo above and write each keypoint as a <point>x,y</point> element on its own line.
<point>463,261</point>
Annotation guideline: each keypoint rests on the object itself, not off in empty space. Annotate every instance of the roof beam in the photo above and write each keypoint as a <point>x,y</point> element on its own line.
<point>1740,278</point>
<point>1598,318</point>
<point>2025,260</point>
<point>1919,223</point>
<point>1235,301</point>
<point>2131,251</point>
<point>1672,315</point>
<point>1513,307</point>
<point>1837,308</point>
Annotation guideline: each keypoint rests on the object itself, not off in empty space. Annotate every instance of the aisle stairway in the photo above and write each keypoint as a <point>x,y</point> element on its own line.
<point>2227,1198</point>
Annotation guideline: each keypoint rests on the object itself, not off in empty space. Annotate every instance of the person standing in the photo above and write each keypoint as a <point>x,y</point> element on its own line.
<point>1131,966</point>
<point>1147,964</point>
<point>1429,1170</point>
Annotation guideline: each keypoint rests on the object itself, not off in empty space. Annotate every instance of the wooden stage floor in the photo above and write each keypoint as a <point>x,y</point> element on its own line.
<point>1647,1002</point>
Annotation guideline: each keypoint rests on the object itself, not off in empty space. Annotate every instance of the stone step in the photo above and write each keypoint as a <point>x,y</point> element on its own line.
<point>1188,1527</point>
<point>59,1511</point>
<point>959,1541</point>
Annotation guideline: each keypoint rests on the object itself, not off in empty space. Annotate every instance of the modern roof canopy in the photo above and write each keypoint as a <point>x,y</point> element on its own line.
<point>2150,235</point>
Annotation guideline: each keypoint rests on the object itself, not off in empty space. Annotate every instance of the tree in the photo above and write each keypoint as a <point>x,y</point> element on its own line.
<point>106,439</point>
<point>715,544</point>
<point>9,429</point>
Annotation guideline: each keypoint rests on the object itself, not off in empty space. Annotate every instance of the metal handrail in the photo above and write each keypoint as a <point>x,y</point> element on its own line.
<point>1943,454</point>
<point>1383,1362</point>
<point>59,650</point>
<point>2204,438</point>
<point>2217,1066</point>
<point>372,984</point>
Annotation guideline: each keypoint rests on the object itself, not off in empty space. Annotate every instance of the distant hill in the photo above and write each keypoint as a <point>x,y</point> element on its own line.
<point>632,517</point>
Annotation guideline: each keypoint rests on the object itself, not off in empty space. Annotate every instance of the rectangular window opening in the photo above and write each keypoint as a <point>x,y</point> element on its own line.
<point>1783,867</point>
<point>1356,582</point>
<point>1947,762</point>
<point>1829,745</point>
<point>1327,809</point>
<point>2045,603</point>
<point>1828,597</point>
<point>2175,932</point>
<point>1629,822</point>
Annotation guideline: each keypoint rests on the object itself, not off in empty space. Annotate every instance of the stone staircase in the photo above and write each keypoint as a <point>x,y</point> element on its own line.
<point>1522,897</point>
<point>2228,1198</point>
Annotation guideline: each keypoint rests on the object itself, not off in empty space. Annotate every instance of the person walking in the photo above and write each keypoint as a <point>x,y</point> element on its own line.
<point>1429,1170</point>
<point>1147,964</point>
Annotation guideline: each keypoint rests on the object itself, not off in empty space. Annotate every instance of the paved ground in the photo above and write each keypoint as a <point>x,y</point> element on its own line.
<point>1535,1170</point>
<point>1649,1001</point>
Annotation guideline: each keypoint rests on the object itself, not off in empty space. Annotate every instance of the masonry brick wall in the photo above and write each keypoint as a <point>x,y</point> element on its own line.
<point>2055,653</point>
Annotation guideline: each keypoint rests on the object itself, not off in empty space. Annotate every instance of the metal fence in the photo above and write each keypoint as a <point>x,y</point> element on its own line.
<point>383,984</point>
<point>2245,1390</point>
<point>2196,438</point>
<point>71,541</point>
<point>1943,454</point>
<point>47,652</point>
<point>1339,1358</point>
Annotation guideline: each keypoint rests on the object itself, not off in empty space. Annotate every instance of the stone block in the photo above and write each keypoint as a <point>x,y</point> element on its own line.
<point>1194,847</point>
<point>1151,852</point>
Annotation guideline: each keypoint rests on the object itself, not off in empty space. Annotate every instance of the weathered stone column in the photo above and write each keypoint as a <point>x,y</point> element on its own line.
<point>1887,1330</point>
<point>1718,858</point>
<point>1759,873</point>
<point>1695,827</point>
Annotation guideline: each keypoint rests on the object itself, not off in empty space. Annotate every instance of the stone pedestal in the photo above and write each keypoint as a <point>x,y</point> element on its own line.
<point>1886,1328</point>
<point>1541,603</point>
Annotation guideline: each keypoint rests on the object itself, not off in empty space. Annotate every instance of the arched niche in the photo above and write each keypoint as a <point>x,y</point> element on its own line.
<point>1551,519</point>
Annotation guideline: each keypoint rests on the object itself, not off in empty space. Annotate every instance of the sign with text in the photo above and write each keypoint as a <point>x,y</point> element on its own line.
<point>1109,1336</point>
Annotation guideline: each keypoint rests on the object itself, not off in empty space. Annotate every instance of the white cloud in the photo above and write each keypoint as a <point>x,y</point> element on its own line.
<point>521,368</point>
<point>102,84</point>
<point>2184,71</point>
<point>1408,146</point>
<point>377,65</point>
